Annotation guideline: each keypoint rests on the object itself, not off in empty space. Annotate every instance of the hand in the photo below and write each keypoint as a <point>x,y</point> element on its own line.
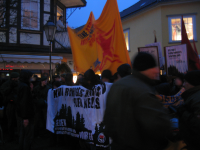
<point>25,122</point>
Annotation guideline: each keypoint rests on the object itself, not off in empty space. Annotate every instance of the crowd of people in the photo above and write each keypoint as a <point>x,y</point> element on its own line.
<point>136,115</point>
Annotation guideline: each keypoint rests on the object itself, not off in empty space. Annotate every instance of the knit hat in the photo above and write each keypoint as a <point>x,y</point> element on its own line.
<point>124,70</point>
<point>193,77</point>
<point>144,61</point>
<point>14,75</point>
<point>43,78</point>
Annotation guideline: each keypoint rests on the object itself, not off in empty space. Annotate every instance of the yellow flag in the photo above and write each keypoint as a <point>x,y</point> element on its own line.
<point>100,44</point>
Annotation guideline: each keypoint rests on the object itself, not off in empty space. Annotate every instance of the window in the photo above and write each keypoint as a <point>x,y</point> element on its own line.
<point>174,24</point>
<point>2,13</point>
<point>126,36</point>
<point>59,12</point>
<point>30,14</point>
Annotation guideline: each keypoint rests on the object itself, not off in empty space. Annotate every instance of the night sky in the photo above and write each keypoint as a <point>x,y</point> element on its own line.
<point>80,16</point>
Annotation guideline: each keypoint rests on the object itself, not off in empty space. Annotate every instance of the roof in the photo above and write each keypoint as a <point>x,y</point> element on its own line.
<point>79,28</point>
<point>73,3</point>
<point>141,5</point>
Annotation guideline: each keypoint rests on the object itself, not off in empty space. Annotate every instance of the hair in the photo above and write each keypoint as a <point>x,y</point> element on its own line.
<point>69,79</point>
<point>124,70</point>
<point>115,76</point>
<point>106,74</point>
<point>57,84</point>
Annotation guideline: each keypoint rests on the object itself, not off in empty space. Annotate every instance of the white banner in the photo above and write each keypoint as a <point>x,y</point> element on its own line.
<point>77,111</point>
<point>176,59</point>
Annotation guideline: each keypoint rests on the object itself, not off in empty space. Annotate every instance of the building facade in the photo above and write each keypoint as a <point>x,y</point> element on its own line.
<point>161,17</point>
<point>23,43</point>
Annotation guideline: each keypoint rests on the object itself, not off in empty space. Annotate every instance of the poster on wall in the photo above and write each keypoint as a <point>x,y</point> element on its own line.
<point>161,61</point>
<point>176,59</point>
<point>153,50</point>
<point>78,112</point>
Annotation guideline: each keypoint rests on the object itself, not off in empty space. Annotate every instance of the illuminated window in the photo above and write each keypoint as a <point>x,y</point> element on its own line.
<point>59,12</point>
<point>30,14</point>
<point>174,24</point>
<point>126,36</point>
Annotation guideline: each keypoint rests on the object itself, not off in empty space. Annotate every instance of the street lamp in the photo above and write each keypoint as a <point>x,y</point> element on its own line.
<point>50,29</point>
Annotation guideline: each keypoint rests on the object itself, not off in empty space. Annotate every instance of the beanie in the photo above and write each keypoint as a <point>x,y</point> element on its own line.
<point>144,61</point>
<point>14,75</point>
<point>193,77</point>
<point>124,70</point>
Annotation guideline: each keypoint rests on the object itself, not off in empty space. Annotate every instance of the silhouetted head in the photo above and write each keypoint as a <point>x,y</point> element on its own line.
<point>106,76</point>
<point>146,64</point>
<point>124,70</point>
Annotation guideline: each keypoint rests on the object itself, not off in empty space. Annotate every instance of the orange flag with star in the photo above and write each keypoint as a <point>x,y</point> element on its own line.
<point>100,44</point>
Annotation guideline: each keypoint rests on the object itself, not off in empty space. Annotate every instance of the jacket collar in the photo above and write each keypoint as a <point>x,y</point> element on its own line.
<point>144,78</point>
<point>190,92</point>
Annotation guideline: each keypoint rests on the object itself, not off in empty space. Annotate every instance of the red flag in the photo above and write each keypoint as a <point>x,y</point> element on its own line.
<point>197,55</point>
<point>193,58</point>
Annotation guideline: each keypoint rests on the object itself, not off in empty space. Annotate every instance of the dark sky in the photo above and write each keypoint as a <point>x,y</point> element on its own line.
<point>80,16</point>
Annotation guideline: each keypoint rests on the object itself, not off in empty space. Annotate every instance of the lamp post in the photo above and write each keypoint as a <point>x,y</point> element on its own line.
<point>50,29</point>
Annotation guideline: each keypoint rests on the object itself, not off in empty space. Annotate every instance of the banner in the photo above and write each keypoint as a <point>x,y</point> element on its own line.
<point>78,112</point>
<point>100,44</point>
<point>175,100</point>
<point>161,62</point>
<point>176,59</point>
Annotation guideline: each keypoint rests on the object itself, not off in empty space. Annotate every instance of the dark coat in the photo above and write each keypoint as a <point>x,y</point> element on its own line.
<point>189,117</point>
<point>25,107</point>
<point>40,95</point>
<point>9,90</point>
<point>134,118</point>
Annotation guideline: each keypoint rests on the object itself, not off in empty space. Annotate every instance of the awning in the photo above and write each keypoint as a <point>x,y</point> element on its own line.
<point>29,58</point>
<point>73,3</point>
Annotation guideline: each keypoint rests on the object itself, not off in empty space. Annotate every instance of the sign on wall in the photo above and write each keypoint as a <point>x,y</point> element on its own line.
<point>78,112</point>
<point>176,59</point>
<point>153,50</point>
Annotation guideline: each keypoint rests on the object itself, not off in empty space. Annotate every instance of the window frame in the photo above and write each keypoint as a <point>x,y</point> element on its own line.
<point>38,11</point>
<point>193,16</point>
<point>127,31</point>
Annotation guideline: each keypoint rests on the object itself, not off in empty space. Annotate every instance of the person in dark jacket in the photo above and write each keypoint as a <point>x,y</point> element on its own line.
<point>69,79</point>
<point>40,99</point>
<point>62,77</point>
<point>9,90</point>
<point>189,112</point>
<point>90,79</point>
<point>134,118</point>
<point>25,111</point>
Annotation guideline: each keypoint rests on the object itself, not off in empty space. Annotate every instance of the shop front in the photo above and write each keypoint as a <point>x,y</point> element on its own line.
<point>37,64</point>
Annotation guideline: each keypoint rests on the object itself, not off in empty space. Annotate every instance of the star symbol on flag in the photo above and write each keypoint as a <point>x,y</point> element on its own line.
<point>96,63</point>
